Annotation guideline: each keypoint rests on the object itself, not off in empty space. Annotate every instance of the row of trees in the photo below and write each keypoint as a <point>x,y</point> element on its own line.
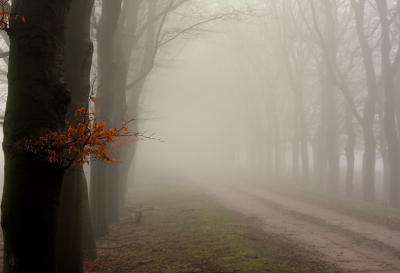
<point>328,75</point>
<point>48,221</point>
<point>317,74</point>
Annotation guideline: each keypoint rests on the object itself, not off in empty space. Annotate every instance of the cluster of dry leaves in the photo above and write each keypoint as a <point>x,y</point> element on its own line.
<point>84,138</point>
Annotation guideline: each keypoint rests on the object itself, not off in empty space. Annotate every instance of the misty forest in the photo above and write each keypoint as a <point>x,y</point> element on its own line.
<point>200,135</point>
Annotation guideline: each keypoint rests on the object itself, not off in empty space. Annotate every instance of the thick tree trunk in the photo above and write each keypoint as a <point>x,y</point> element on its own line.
<point>69,236</point>
<point>120,108</point>
<point>123,50</point>
<point>106,30</point>
<point>74,197</point>
<point>32,187</point>
<point>133,100</point>
<point>89,245</point>
<point>121,63</point>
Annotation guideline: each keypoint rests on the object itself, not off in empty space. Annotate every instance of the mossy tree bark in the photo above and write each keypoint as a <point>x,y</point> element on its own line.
<point>32,187</point>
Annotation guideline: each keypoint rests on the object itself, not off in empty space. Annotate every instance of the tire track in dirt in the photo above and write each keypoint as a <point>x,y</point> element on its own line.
<point>351,244</point>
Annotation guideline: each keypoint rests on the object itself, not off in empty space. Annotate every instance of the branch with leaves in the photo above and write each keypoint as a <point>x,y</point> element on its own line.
<point>87,137</point>
<point>5,10</point>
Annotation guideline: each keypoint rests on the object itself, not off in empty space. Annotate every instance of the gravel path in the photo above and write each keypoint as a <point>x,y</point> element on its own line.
<point>352,245</point>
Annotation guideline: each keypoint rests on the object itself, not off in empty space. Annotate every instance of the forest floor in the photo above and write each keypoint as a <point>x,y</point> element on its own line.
<point>353,236</point>
<point>184,230</point>
<point>236,223</point>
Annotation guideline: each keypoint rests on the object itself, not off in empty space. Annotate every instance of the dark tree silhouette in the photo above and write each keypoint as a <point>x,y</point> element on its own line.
<point>32,187</point>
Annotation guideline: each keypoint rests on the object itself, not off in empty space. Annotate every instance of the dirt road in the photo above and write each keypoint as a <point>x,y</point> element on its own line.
<point>352,245</point>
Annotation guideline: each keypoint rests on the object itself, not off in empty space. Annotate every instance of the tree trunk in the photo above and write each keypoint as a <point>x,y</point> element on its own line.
<point>277,137</point>
<point>69,236</point>
<point>270,150</point>
<point>32,187</point>
<point>126,158</point>
<point>304,143</point>
<point>283,149</point>
<point>120,107</point>
<point>368,169</point>
<point>295,149</point>
<point>133,100</point>
<point>320,154</point>
<point>389,72</point>
<point>383,150</point>
<point>351,143</point>
<point>99,181</point>
<point>89,245</point>
<point>332,147</point>
<point>74,197</point>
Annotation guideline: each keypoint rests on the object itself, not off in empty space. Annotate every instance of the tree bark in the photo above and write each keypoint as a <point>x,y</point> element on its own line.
<point>320,154</point>
<point>383,150</point>
<point>122,55</point>
<point>32,187</point>
<point>303,142</point>
<point>369,160</point>
<point>99,182</point>
<point>74,197</point>
<point>277,137</point>
<point>332,147</point>
<point>389,72</point>
<point>269,150</point>
<point>351,143</point>
<point>133,100</point>
<point>295,148</point>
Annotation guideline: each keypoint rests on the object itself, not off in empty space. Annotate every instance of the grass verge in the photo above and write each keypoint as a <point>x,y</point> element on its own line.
<point>183,230</point>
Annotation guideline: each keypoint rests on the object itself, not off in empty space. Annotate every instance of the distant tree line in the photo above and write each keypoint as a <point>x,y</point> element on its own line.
<point>327,73</point>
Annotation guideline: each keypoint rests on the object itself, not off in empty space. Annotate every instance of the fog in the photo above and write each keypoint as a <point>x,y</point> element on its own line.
<point>214,93</point>
<point>287,108</point>
<point>202,105</point>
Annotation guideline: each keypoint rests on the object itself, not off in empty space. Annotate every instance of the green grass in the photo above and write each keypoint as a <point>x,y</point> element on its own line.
<point>183,230</point>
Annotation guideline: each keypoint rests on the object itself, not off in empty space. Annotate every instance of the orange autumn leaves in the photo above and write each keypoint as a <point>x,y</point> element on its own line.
<point>5,10</point>
<point>84,138</point>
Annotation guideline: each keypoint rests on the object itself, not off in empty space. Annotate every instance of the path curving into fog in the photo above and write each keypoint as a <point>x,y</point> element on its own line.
<point>351,244</point>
